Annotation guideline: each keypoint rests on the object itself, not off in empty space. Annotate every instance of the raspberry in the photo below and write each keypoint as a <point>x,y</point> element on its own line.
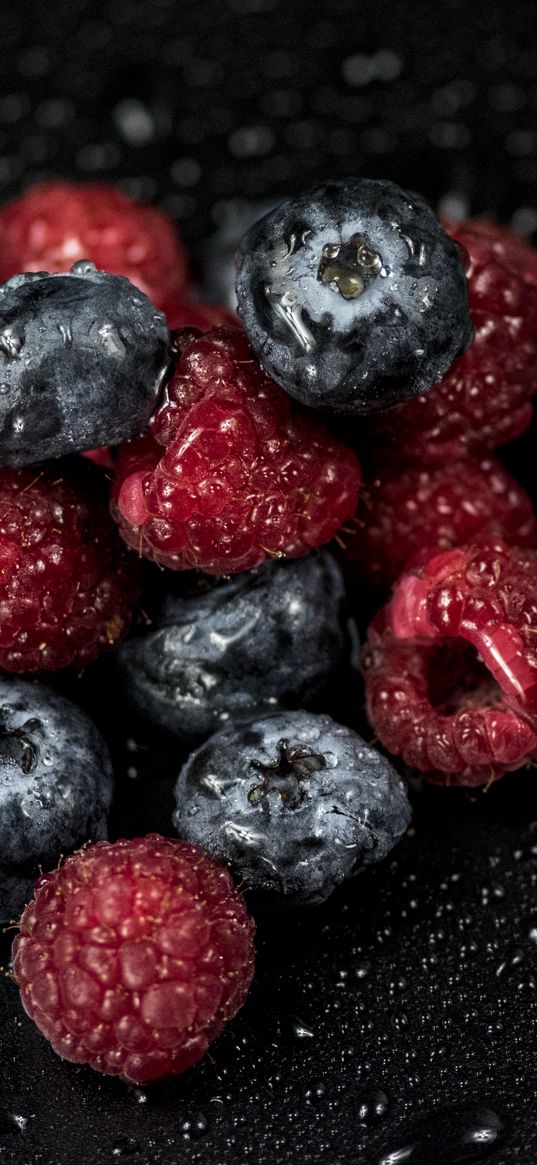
<point>56,223</point>
<point>484,399</point>
<point>203,316</point>
<point>456,717</point>
<point>67,588</point>
<point>405,509</point>
<point>133,956</point>
<point>233,472</point>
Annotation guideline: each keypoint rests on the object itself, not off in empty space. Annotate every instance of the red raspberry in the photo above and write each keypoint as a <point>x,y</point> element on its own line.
<point>484,399</point>
<point>234,472</point>
<point>404,509</point>
<point>67,587</point>
<point>203,316</point>
<point>458,718</point>
<point>56,223</point>
<point>133,956</point>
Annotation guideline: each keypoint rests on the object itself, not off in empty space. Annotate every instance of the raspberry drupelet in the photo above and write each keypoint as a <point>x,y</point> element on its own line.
<point>403,509</point>
<point>57,223</point>
<point>133,956</point>
<point>68,589</point>
<point>457,716</point>
<point>233,472</point>
<point>485,399</point>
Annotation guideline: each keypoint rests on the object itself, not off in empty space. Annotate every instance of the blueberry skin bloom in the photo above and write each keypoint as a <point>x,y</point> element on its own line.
<point>216,653</point>
<point>55,786</point>
<point>353,297</point>
<point>294,803</point>
<point>82,358</point>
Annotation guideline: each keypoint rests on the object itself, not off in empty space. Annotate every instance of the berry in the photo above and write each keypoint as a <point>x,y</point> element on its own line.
<point>352,295</point>
<point>82,358</point>
<point>67,586</point>
<point>55,785</point>
<point>233,473</point>
<point>484,400</point>
<point>57,223</point>
<point>133,956</point>
<point>202,316</point>
<point>294,803</point>
<point>456,716</point>
<point>405,509</point>
<point>215,652</point>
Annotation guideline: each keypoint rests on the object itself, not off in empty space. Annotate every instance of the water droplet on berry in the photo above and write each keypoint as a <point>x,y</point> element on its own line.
<point>83,267</point>
<point>4,388</point>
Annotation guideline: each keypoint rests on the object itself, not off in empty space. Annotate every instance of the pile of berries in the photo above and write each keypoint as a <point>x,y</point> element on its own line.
<point>213,463</point>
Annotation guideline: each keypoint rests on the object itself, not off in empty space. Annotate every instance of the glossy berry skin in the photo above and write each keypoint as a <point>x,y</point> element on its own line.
<point>55,785</point>
<point>352,295</point>
<point>404,509</point>
<point>274,636</point>
<point>55,224</point>
<point>82,359</point>
<point>294,803</point>
<point>457,716</point>
<point>68,588</point>
<point>485,399</point>
<point>233,473</point>
<point>133,956</point>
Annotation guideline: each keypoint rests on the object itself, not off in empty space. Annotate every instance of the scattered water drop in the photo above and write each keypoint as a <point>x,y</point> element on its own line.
<point>372,1105</point>
<point>455,1136</point>
<point>125,1147</point>
<point>83,267</point>
<point>512,959</point>
<point>300,1030</point>
<point>194,1127</point>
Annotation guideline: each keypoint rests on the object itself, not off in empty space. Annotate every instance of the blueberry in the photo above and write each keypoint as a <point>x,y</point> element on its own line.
<point>82,357</point>
<point>55,785</point>
<point>219,652</point>
<point>294,803</point>
<point>352,296</point>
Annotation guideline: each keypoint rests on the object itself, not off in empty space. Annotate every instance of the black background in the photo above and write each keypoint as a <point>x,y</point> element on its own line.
<point>419,981</point>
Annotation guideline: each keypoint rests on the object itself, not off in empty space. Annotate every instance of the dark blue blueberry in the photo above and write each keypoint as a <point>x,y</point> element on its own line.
<point>55,785</point>
<point>294,803</point>
<point>82,357</point>
<point>215,653</point>
<point>352,295</point>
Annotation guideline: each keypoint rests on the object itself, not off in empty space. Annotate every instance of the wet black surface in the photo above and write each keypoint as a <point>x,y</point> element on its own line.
<point>398,1022</point>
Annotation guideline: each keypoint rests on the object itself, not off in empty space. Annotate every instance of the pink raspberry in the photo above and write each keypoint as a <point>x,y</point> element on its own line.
<point>451,664</point>
<point>56,223</point>
<point>233,472</point>
<point>485,398</point>
<point>133,956</point>
<point>403,509</point>
<point>68,589</point>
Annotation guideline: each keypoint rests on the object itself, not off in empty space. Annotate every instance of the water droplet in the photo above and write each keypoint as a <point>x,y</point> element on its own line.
<point>362,969</point>
<point>513,957</point>
<point>300,1030</point>
<point>83,267</point>
<point>140,1096</point>
<point>372,1105</point>
<point>455,1136</point>
<point>315,1093</point>
<point>125,1147</point>
<point>4,388</point>
<point>287,309</point>
<point>195,1126</point>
